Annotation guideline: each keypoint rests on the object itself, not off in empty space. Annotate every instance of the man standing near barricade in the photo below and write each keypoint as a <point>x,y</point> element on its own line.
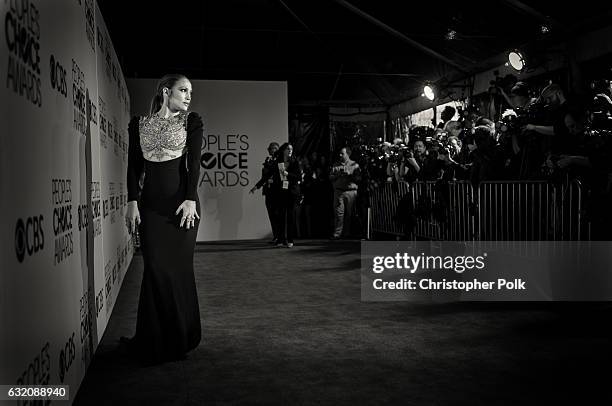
<point>345,175</point>
<point>266,182</point>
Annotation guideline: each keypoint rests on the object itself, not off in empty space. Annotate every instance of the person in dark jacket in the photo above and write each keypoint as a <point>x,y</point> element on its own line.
<point>286,187</point>
<point>269,166</point>
<point>483,156</point>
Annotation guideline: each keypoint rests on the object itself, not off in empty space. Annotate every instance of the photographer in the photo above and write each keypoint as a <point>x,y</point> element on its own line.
<point>446,115</point>
<point>525,144</point>
<point>520,101</point>
<point>555,100</point>
<point>483,155</point>
<point>444,166</point>
<point>450,162</point>
<point>394,154</point>
<point>488,123</point>
<point>416,163</point>
<point>345,175</point>
<point>601,106</point>
<point>453,128</point>
<point>578,161</point>
<point>519,96</point>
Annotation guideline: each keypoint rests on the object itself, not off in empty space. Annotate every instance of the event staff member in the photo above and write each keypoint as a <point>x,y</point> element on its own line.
<point>286,188</point>
<point>345,176</point>
<point>266,180</point>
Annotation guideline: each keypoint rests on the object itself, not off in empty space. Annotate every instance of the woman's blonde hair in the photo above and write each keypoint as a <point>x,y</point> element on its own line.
<point>166,81</point>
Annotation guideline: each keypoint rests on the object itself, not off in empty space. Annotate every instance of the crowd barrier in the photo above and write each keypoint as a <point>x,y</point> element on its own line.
<point>491,211</point>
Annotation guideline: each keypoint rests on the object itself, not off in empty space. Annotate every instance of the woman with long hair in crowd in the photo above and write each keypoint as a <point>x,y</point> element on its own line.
<point>287,177</point>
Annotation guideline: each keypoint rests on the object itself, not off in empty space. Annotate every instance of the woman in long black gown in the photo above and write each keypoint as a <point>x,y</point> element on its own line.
<point>166,145</point>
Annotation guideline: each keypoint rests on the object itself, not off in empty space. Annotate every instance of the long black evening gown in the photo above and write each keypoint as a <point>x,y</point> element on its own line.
<point>168,150</point>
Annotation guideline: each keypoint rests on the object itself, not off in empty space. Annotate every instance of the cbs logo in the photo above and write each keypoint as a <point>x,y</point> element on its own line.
<point>29,237</point>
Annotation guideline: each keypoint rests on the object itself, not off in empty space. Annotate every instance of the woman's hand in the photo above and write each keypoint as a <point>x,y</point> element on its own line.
<point>188,207</point>
<point>132,216</point>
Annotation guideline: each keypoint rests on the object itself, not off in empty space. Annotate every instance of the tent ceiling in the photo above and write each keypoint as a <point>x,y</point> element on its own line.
<point>329,53</point>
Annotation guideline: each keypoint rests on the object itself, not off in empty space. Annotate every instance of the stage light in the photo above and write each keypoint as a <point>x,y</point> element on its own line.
<point>516,60</point>
<point>451,35</point>
<point>545,29</point>
<point>429,92</point>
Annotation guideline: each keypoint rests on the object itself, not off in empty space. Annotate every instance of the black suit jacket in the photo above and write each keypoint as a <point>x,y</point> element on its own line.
<point>266,173</point>
<point>294,177</point>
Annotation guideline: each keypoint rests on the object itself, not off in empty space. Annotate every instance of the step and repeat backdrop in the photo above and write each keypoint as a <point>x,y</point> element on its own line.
<point>241,118</point>
<point>64,109</point>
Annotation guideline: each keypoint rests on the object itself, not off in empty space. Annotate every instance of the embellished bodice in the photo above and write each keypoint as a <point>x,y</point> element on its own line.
<point>163,139</point>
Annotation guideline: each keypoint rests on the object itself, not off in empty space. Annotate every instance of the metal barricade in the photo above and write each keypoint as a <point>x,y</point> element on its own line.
<point>492,211</point>
<point>384,203</point>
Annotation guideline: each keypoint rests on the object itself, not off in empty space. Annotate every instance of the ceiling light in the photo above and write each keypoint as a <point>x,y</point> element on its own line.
<point>516,60</point>
<point>429,92</point>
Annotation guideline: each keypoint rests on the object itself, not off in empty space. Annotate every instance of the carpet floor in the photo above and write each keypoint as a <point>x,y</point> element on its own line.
<point>288,327</point>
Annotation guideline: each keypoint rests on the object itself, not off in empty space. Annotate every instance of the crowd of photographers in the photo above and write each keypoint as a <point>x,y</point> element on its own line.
<point>539,136</point>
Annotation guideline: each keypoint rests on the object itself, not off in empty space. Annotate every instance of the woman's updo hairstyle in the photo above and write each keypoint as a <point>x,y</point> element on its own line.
<point>167,81</point>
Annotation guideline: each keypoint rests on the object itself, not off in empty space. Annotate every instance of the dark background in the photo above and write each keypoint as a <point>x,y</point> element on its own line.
<point>328,53</point>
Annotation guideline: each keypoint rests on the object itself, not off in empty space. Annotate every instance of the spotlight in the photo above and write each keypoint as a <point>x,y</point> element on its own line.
<point>516,60</point>
<point>429,92</point>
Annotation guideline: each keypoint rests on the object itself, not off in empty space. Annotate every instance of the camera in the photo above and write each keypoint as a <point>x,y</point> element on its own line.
<point>533,113</point>
<point>407,153</point>
<point>600,109</point>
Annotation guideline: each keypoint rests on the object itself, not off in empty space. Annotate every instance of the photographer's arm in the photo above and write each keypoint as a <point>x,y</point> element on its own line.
<point>266,174</point>
<point>334,173</point>
<point>577,160</point>
<point>451,161</point>
<point>391,169</point>
<point>414,164</point>
<point>604,100</point>
<point>516,148</point>
<point>356,175</point>
<point>541,129</point>
<point>402,171</point>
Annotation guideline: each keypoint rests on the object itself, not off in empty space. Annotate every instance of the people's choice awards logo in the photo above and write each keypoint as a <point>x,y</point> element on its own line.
<point>209,160</point>
<point>22,35</point>
<point>225,160</point>
<point>61,194</point>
